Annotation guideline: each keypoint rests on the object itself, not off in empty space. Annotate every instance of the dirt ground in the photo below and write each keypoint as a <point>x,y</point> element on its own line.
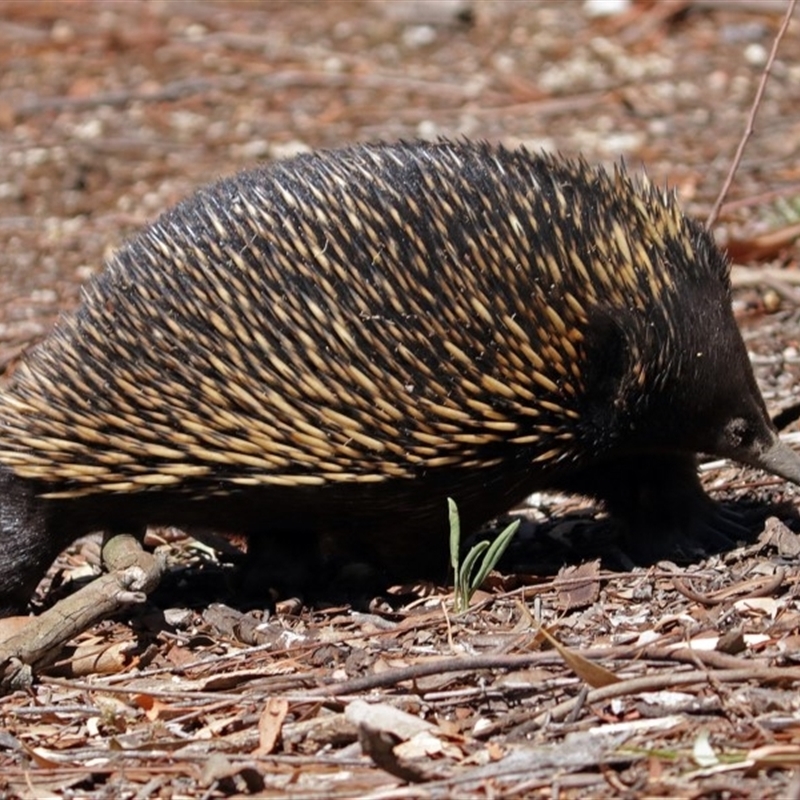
<point>110,112</point>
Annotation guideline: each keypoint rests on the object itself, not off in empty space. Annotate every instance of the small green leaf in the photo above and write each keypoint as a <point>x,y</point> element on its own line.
<point>455,534</point>
<point>494,554</point>
<point>468,576</point>
<point>463,589</point>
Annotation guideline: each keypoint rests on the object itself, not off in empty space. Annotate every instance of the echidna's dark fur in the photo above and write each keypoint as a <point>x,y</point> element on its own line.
<point>325,349</point>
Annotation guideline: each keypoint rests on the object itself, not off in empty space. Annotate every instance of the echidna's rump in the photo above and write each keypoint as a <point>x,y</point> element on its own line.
<point>336,342</point>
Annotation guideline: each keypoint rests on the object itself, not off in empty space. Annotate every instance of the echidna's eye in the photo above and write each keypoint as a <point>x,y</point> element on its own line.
<point>739,433</point>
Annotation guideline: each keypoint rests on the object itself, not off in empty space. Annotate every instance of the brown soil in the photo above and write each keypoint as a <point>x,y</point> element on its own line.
<point>112,111</point>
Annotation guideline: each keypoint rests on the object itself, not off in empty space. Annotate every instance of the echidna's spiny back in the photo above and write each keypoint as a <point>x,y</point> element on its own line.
<point>354,316</point>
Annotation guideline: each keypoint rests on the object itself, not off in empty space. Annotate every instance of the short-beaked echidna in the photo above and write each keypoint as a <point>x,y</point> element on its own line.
<point>325,349</point>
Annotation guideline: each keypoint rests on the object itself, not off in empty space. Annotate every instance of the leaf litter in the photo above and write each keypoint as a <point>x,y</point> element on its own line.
<point>569,674</point>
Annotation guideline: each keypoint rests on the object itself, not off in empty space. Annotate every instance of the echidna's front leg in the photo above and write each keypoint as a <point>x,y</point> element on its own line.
<point>662,508</point>
<point>665,512</point>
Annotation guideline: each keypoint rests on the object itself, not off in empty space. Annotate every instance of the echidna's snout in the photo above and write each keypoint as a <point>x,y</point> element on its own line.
<point>778,459</point>
<point>757,444</point>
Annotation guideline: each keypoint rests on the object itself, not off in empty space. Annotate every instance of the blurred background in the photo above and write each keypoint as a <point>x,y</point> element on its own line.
<point>112,111</point>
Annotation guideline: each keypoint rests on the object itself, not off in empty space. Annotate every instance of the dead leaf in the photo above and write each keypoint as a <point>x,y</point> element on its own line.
<point>155,709</point>
<point>776,534</point>
<point>578,587</point>
<point>758,606</point>
<point>270,723</point>
<point>589,672</point>
<point>396,740</point>
<point>106,659</point>
<point>763,247</point>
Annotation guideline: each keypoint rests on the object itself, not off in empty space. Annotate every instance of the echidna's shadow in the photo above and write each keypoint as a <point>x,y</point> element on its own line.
<point>540,549</point>
<point>543,548</point>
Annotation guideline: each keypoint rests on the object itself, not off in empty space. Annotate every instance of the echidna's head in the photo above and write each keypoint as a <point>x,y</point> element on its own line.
<point>710,401</point>
<point>677,368</point>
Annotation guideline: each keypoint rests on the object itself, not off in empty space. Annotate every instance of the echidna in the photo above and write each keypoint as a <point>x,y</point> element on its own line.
<point>317,353</point>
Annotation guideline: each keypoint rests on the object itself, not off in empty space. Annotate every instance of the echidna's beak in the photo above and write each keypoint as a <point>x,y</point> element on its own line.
<point>779,459</point>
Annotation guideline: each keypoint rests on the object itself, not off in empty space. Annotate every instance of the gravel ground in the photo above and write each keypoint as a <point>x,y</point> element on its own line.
<point>112,111</point>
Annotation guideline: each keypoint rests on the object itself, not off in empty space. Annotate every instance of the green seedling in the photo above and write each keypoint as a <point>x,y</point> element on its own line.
<point>469,575</point>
